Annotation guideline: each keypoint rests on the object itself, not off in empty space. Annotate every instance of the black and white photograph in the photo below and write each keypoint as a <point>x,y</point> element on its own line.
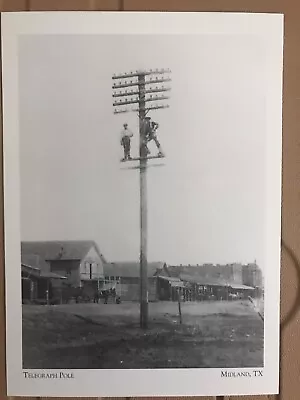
<point>142,195</point>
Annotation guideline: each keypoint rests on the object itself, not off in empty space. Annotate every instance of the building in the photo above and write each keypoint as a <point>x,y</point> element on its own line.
<point>252,275</point>
<point>216,288</point>
<point>37,285</point>
<point>169,288</point>
<point>126,278</point>
<point>79,262</point>
<point>239,274</point>
<point>208,281</point>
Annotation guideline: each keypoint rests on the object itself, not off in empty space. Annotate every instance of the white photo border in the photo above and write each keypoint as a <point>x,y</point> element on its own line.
<point>141,382</point>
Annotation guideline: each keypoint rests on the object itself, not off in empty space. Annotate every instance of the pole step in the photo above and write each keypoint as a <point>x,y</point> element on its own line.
<point>142,158</point>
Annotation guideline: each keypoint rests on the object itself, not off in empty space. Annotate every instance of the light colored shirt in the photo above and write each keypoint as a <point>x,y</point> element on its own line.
<point>126,132</point>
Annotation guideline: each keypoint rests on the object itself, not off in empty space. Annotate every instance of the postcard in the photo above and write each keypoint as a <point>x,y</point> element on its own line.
<point>142,185</point>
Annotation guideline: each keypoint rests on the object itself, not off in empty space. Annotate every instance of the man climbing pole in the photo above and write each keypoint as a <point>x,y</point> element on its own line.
<point>153,136</point>
<point>150,133</point>
<point>126,136</point>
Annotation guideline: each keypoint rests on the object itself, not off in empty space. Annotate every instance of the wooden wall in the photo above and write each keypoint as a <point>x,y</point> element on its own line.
<point>130,289</point>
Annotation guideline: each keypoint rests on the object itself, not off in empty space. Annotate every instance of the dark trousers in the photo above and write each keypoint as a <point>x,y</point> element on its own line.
<point>126,146</point>
<point>153,137</point>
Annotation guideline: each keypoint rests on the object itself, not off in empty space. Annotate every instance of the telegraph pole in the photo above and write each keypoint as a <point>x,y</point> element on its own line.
<point>143,85</point>
<point>143,209</point>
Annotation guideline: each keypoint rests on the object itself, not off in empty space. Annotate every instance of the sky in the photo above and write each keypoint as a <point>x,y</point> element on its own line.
<point>205,203</point>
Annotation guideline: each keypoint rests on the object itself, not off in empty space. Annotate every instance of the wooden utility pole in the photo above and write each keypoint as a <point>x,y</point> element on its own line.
<point>138,96</point>
<point>143,209</point>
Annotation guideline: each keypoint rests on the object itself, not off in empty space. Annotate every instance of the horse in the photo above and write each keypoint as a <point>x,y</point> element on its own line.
<point>105,294</point>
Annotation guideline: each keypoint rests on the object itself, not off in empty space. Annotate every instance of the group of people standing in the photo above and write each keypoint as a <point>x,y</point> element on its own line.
<point>149,133</point>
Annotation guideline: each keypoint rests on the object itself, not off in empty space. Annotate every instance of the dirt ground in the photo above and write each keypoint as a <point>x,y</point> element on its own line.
<point>94,336</point>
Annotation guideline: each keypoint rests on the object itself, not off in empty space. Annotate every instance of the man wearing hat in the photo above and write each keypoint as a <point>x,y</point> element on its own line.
<point>126,136</point>
<point>150,128</point>
<point>153,136</point>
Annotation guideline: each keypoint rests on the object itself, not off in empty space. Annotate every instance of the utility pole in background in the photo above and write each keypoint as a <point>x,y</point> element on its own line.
<point>146,86</point>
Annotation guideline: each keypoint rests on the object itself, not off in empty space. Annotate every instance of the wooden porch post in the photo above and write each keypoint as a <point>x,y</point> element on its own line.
<point>31,290</point>
<point>47,292</point>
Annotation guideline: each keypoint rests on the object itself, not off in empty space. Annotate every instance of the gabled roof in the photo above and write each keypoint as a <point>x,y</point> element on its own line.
<point>131,269</point>
<point>41,251</point>
<point>174,270</point>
